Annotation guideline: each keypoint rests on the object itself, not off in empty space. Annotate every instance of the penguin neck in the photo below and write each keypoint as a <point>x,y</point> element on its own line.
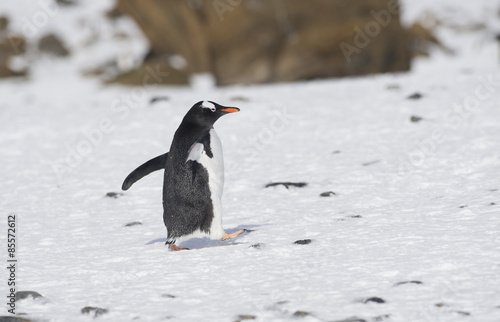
<point>197,127</point>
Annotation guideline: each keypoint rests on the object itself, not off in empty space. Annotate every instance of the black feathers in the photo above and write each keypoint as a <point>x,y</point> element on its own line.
<point>152,165</point>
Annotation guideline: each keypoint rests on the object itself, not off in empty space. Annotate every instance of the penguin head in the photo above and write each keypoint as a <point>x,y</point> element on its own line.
<point>207,112</point>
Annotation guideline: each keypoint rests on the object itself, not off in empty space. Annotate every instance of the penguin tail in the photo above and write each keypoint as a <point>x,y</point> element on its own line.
<point>143,170</point>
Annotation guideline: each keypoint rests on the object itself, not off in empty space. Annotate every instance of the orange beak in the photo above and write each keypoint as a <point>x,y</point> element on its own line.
<point>230,109</point>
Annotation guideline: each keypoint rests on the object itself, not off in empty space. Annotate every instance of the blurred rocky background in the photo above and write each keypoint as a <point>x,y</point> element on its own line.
<point>262,41</point>
<point>236,41</point>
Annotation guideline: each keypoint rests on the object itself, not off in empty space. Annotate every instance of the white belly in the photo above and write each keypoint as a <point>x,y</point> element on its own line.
<point>215,169</point>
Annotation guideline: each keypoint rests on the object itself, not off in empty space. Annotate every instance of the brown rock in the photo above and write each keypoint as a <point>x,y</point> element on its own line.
<point>275,41</point>
<point>11,46</point>
<point>153,72</point>
<point>4,23</point>
<point>53,45</point>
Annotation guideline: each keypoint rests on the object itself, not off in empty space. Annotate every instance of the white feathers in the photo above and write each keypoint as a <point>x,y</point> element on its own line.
<point>215,168</point>
<point>209,105</point>
<point>195,152</point>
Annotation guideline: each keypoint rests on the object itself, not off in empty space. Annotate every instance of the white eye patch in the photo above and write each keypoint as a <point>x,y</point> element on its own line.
<point>209,105</point>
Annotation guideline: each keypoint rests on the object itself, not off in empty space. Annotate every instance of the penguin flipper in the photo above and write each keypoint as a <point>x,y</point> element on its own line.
<point>152,165</point>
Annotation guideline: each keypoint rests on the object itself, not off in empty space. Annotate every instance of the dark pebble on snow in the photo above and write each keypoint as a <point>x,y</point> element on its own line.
<point>114,194</point>
<point>370,163</point>
<point>440,304</point>
<point>301,314</point>
<point>356,216</point>
<point>464,206</point>
<point>245,317</point>
<point>302,241</point>
<point>134,223</point>
<point>374,299</point>
<point>158,99</point>
<point>408,282</point>
<point>352,319</point>
<point>257,246</point>
<point>168,296</point>
<point>415,96</point>
<point>381,318</point>
<point>65,2</point>
<point>13,319</point>
<point>97,311</point>
<point>463,313</point>
<point>287,184</point>
<point>21,295</point>
<point>415,119</point>
<point>327,194</point>
<point>492,203</point>
<point>239,99</point>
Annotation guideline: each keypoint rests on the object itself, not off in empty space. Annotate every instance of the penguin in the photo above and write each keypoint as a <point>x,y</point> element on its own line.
<point>193,177</point>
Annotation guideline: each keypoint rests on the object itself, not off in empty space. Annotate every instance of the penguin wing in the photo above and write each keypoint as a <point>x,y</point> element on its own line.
<point>152,165</point>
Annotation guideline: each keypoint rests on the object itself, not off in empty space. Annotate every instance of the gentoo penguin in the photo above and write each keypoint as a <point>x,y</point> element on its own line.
<point>194,177</point>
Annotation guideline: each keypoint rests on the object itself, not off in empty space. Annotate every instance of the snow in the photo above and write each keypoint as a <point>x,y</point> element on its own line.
<point>415,201</point>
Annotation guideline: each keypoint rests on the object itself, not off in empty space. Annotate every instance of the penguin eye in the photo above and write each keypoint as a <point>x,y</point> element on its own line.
<point>213,109</point>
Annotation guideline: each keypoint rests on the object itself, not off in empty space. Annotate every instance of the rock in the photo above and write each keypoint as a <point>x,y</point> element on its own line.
<point>463,206</point>
<point>169,296</point>
<point>440,304</point>
<point>133,223</point>
<point>97,311</point>
<point>257,246</point>
<point>370,163</point>
<point>154,71</point>
<point>114,195</point>
<point>11,46</point>
<point>53,45</point>
<point>463,313</point>
<point>287,184</point>
<point>374,299</point>
<point>158,99</point>
<point>356,216</point>
<point>21,295</point>
<point>273,42</point>
<point>4,23</point>
<point>415,119</point>
<point>421,39</point>
<point>13,319</point>
<point>407,282</point>
<point>239,99</point>
<point>303,241</point>
<point>415,96</point>
<point>492,204</point>
<point>66,3</point>
<point>351,319</point>
<point>301,314</point>
<point>245,317</point>
<point>327,194</point>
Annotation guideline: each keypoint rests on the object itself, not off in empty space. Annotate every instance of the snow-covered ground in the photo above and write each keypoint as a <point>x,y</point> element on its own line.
<point>414,201</point>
